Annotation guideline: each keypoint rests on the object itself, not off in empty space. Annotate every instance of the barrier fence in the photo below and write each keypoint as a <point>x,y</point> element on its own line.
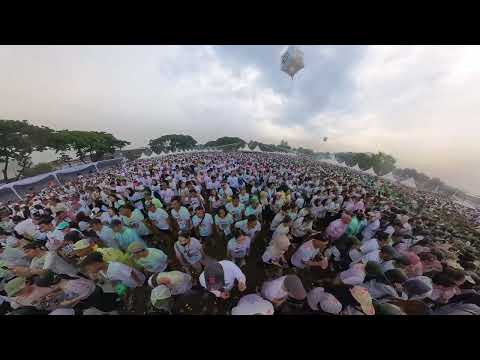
<point>18,189</point>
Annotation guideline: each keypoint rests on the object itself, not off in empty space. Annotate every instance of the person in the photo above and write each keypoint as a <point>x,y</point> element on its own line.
<point>124,235</point>
<point>253,304</point>
<point>238,247</point>
<point>203,225</point>
<point>244,197</point>
<point>116,272</point>
<point>219,277</point>
<point>305,256</point>
<point>159,218</point>
<point>250,226</point>
<point>105,234</point>
<point>224,222</point>
<point>338,227</point>
<point>178,282</point>
<point>236,209</point>
<point>323,303</point>
<point>275,252</point>
<point>302,226</point>
<point>372,226</point>
<point>150,260</point>
<point>254,208</point>
<point>181,215</point>
<point>278,291</point>
<point>284,227</point>
<point>135,220</point>
<point>189,252</point>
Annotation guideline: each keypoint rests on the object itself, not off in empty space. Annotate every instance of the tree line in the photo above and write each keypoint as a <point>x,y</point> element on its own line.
<point>21,138</point>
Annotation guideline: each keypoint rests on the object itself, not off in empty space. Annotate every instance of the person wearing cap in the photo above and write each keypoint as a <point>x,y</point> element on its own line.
<point>134,219</point>
<point>55,235</point>
<point>36,256</point>
<point>178,282</point>
<point>360,302</point>
<point>253,304</point>
<point>22,292</point>
<point>311,253</point>
<point>161,299</point>
<point>323,303</point>
<point>189,252</point>
<point>279,290</point>
<point>124,235</point>
<point>105,234</point>
<point>150,260</point>
<point>220,278</point>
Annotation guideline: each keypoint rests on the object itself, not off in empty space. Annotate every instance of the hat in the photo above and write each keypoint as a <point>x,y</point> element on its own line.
<point>374,270</point>
<point>160,296</point>
<point>391,251</point>
<point>318,298</point>
<point>418,287</point>
<point>396,276</point>
<point>253,304</point>
<point>14,286</point>
<point>81,244</point>
<point>388,309</point>
<point>362,296</point>
<point>136,247</point>
<point>294,287</point>
<point>63,225</point>
<point>214,276</point>
<point>454,264</point>
<point>470,279</point>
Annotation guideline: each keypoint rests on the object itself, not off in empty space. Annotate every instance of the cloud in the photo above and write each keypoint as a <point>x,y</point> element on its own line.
<point>418,103</point>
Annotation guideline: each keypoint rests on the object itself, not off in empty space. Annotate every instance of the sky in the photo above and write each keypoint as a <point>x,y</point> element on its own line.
<point>417,103</point>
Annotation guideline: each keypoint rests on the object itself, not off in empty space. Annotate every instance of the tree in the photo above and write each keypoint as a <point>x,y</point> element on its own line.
<point>40,168</point>
<point>284,145</point>
<point>172,142</point>
<point>226,141</point>
<point>18,140</point>
<point>86,143</point>
<point>383,163</point>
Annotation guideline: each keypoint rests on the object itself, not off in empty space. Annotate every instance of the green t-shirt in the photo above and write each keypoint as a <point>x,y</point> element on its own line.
<point>354,227</point>
<point>157,203</point>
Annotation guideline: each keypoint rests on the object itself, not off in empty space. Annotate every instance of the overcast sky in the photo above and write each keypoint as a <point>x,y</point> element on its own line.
<point>418,103</point>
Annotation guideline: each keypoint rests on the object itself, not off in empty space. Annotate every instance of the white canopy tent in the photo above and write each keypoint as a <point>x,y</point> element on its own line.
<point>389,177</point>
<point>257,149</point>
<point>370,172</point>
<point>410,182</point>
<point>143,156</point>
<point>356,168</point>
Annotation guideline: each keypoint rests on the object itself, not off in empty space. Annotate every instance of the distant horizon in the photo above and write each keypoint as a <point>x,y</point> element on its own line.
<point>416,103</point>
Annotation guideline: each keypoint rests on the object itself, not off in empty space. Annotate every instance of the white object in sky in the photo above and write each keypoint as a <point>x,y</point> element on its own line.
<point>292,61</point>
<point>410,182</point>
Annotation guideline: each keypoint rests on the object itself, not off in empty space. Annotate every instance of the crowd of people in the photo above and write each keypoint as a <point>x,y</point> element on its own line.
<point>237,233</point>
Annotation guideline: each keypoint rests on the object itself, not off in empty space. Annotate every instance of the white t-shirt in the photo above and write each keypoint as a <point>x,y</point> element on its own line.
<point>107,236</point>
<point>55,263</point>
<point>273,289</point>
<point>167,195</point>
<point>236,211</point>
<point>306,252</point>
<point>205,227</point>
<point>135,221</point>
<point>276,221</point>
<point>231,273</point>
<point>159,217</point>
<point>224,223</point>
<point>183,218</point>
<point>238,250</point>
<point>243,225</point>
<point>120,272</point>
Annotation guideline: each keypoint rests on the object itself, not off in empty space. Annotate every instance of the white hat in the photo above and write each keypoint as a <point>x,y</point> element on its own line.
<point>328,303</point>
<point>62,312</point>
<point>253,304</point>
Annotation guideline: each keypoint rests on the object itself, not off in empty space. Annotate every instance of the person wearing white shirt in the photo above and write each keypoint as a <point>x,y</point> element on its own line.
<point>105,233</point>
<point>372,226</point>
<point>159,217</point>
<point>135,220</point>
<point>220,277</point>
<point>250,226</point>
<point>236,209</point>
<point>224,221</point>
<point>306,254</point>
<point>203,225</point>
<point>181,215</point>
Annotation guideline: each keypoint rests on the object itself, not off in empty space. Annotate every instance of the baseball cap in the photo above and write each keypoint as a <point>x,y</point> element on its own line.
<point>418,287</point>
<point>136,247</point>
<point>160,296</point>
<point>214,276</point>
<point>253,304</point>
<point>362,296</point>
<point>388,309</point>
<point>81,244</point>
<point>318,299</point>
<point>294,287</point>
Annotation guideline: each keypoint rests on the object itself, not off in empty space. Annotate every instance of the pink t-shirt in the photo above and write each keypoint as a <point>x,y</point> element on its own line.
<point>336,229</point>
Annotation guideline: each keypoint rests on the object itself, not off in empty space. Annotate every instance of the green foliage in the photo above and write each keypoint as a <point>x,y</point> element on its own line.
<point>172,142</point>
<point>18,140</point>
<point>226,142</point>
<point>86,143</point>
<point>40,168</point>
